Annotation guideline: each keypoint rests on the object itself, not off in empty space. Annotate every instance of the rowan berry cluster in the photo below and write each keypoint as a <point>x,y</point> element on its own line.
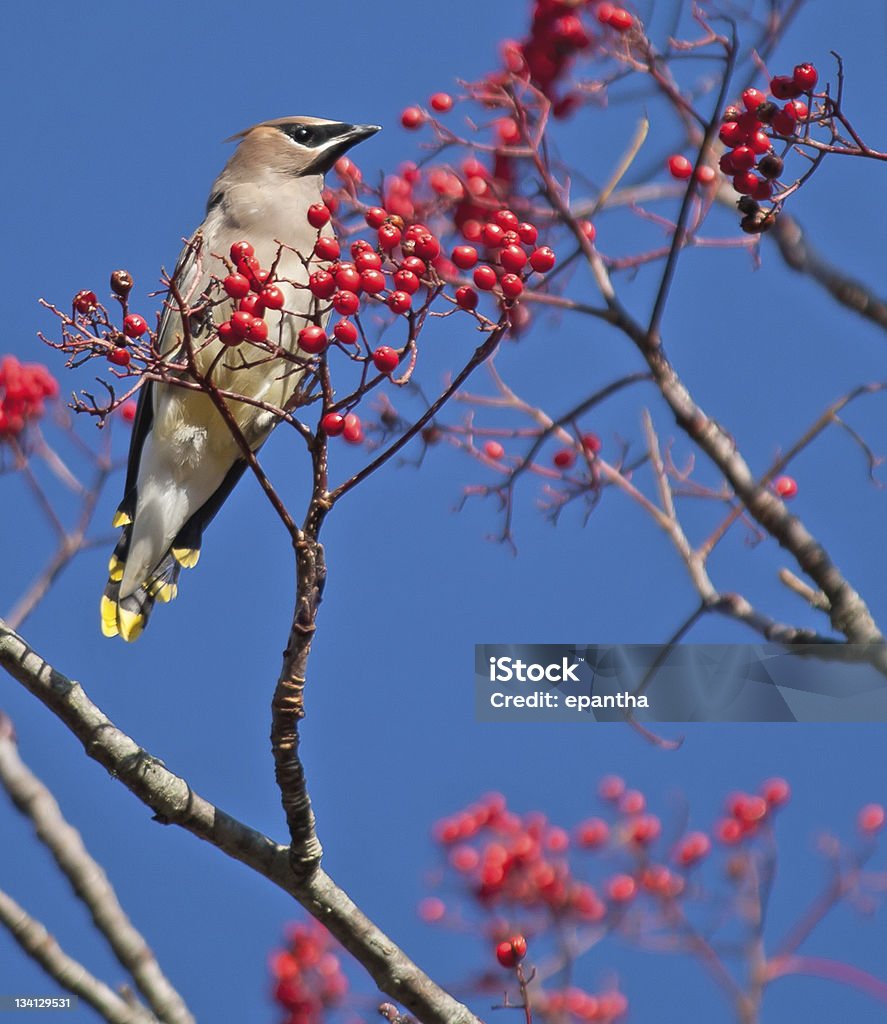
<point>749,133</point>
<point>308,978</point>
<point>24,388</point>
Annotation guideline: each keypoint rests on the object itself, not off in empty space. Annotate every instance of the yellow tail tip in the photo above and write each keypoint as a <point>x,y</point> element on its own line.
<point>186,557</point>
<point>108,609</point>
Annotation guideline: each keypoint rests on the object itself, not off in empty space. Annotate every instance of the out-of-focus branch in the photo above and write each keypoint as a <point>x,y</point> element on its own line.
<point>174,802</point>
<point>799,253</point>
<point>88,880</point>
<point>36,941</point>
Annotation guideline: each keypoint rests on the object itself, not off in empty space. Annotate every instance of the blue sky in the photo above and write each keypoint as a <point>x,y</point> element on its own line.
<point>115,121</point>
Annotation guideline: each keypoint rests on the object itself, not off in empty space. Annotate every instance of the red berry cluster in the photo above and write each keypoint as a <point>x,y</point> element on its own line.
<point>24,387</point>
<point>581,1005</point>
<point>511,951</point>
<point>747,812</point>
<point>748,133</point>
<point>255,292</point>
<point>308,978</point>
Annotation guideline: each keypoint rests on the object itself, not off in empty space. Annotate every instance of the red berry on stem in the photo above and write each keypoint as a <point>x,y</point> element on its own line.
<point>400,302</point>
<point>786,487</point>
<point>543,259</point>
<point>784,88</point>
<point>464,256</point>
<point>776,792</point>
<point>258,330</point>
<point>241,251</point>
<point>512,286</point>
<point>805,77</point>
<point>327,248</point>
<point>745,182</point>
<point>485,277</point>
<point>375,216</point>
<point>414,264</point>
<point>85,302</point>
<point>347,277</point>
<point>406,281</point>
<point>564,458</point>
<point>367,260</point>
<point>236,285</point>
<point>620,20</point>
<point>134,326</point>
<point>332,424</point>
<point>372,281</point>
<point>346,303</point>
<point>389,236</point>
<point>467,297</point>
<point>426,246</point>
<point>513,258</point>
<point>493,450</point>
<point>510,952</point>
<point>752,99</point>
<point>318,215</point>
<point>119,357</point>
<point>353,432</point>
<point>411,118</point>
<point>691,848</point>
<point>241,321</point>
<point>506,220</point>
<point>679,166</point>
<point>743,158</point>
<point>732,134</point>
<point>322,284</point>
<point>385,359</point>
<point>493,235</point>
<point>591,443</point>
<point>312,340</point>
<point>621,888</point>
<point>252,304</point>
<point>227,334</point>
<point>128,411</point>
<point>442,102</point>
<point>528,233</point>
<point>346,332</point>
<point>871,819</point>
<point>272,297</point>
<point>783,124</point>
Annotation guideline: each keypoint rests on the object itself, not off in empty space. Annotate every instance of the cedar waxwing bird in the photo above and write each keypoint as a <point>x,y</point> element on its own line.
<point>183,458</point>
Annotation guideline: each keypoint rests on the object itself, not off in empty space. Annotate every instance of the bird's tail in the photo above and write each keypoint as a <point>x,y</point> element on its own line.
<point>127,617</point>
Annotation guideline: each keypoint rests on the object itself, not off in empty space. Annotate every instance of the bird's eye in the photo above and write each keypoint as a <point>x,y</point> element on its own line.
<point>302,134</point>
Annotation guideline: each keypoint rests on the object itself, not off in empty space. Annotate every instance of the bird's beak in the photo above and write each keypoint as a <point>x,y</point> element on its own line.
<point>344,141</point>
<point>359,132</point>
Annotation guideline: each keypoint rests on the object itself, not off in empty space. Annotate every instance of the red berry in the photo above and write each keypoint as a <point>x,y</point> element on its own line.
<point>594,832</point>
<point>786,487</point>
<point>346,332</point>
<point>227,334</point>
<point>406,281</point>
<point>591,443</point>
<point>241,321</point>
<point>272,297</point>
<point>134,326</point>
<point>485,277</point>
<point>332,424</point>
<point>241,251</point>
<point>752,99</point>
<point>620,20</point>
<point>805,77</point>
<point>564,458</point>
<point>327,248</point>
<point>783,124</point>
<point>691,848</point>
<point>745,182</point>
<point>871,818</point>
<point>732,134</point>
<point>726,163</point>
<point>743,158</point>
<point>512,286</point>
<point>513,258</point>
<point>605,12</point>
<point>353,432</point>
<point>400,302</point>
<point>784,88</point>
<point>322,284</point>
<point>543,259</point>
<point>411,118</point>
<point>128,411</point>
<point>472,230</point>
<point>441,101</point>
<point>705,175</point>
<point>506,220</point>
<point>85,302</point>
<point>528,233</point>
<point>385,359</point>
<point>346,303</point>
<point>389,236</point>
<point>414,264</point>
<point>372,281</point>
<point>493,450</point>
<point>252,304</point>
<point>493,235</point>
<point>510,952</point>
<point>376,216</point>
<point>760,143</point>
<point>728,831</point>
<point>611,787</point>
<point>119,357</point>
<point>318,215</point>
<point>347,277</point>
<point>464,256</point>
<point>236,285</point>
<point>796,109</point>
<point>312,340</point>
<point>621,888</point>
<point>467,297</point>
<point>258,330</point>
<point>763,191</point>
<point>367,260</point>
<point>427,246</point>
<point>358,246</point>
<point>679,166</point>
<point>776,792</point>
